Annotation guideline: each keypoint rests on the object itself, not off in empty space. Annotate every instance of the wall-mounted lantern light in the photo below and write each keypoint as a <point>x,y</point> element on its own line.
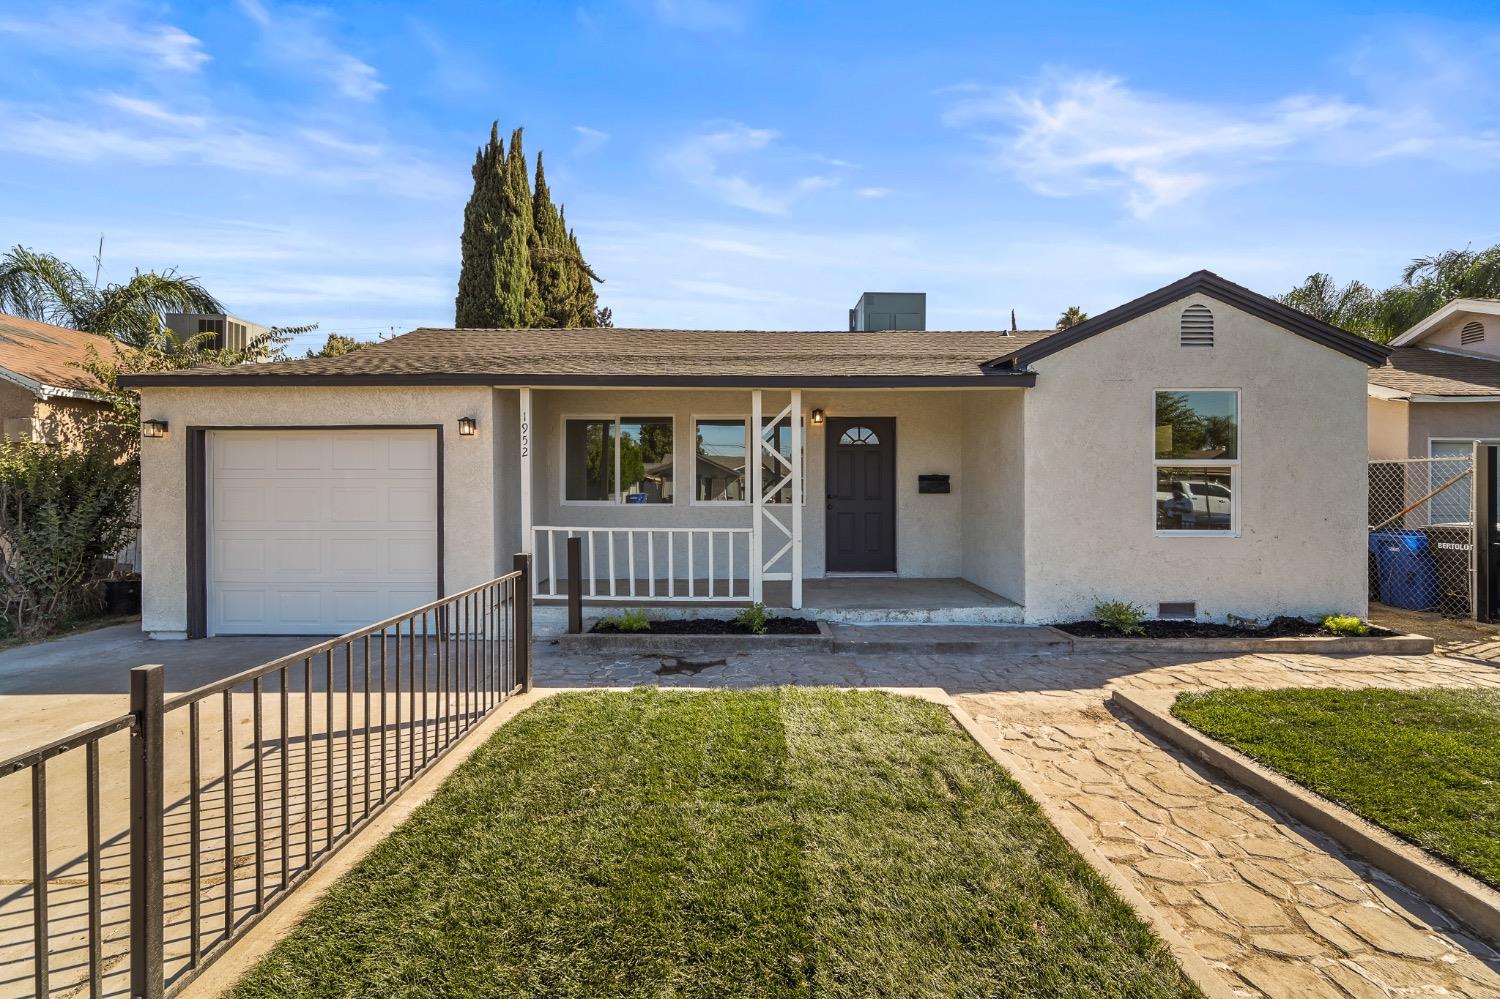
<point>153,428</point>
<point>467,426</point>
<point>817,416</point>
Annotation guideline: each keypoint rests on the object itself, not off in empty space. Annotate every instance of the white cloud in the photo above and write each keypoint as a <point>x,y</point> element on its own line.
<point>590,140</point>
<point>299,37</point>
<point>873,192</point>
<point>699,160</point>
<point>700,15</point>
<point>1091,133</point>
<point>114,32</point>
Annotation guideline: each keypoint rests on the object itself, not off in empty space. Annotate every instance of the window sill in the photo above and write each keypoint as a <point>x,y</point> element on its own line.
<point>1196,534</point>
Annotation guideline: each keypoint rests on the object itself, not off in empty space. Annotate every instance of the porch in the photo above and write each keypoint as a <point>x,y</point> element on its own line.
<point>899,504</point>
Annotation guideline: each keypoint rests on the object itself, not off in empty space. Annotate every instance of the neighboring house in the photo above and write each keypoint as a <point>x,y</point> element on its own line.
<point>229,332</point>
<point>43,391</point>
<point>1440,389</point>
<point>1194,451</point>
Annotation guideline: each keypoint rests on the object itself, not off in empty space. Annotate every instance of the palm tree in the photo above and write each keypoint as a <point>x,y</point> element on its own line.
<point>46,288</point>
<point>1072,317</point>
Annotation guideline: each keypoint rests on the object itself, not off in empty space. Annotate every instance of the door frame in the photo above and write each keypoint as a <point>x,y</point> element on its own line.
<point>830,442</point>
<point>196,521</point>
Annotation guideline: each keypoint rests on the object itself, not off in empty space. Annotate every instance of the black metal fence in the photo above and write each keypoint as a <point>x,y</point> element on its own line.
<point>237,791</point>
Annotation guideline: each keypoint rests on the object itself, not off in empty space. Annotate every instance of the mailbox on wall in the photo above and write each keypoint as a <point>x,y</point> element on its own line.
<point>933,484</point>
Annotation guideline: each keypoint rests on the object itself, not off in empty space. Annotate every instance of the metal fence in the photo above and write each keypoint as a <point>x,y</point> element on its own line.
<point>1421,539</point>
<point>202,811</point>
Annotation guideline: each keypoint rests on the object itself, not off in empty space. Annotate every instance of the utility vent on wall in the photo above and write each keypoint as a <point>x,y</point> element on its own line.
<point>1471,333</point>
<point>1178,609</point>
<point>1197,326</point>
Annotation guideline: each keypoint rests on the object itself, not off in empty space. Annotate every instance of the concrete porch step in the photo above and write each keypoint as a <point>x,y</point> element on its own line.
<point>949,639</point>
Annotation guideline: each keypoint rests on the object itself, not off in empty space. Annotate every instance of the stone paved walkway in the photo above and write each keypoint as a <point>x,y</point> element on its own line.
<point>1279,908</point>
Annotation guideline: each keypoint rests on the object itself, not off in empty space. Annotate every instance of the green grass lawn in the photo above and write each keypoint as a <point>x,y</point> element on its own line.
<point>774,842</point>
<point>1424,764</point>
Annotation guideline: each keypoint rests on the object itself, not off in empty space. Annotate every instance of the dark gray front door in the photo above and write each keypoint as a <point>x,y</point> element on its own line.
<point>861,485</point>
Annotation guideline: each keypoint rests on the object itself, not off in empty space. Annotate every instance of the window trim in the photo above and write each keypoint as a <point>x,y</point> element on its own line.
<point>1234,465</point>
<point>616,419</point>
<point>693,420</point>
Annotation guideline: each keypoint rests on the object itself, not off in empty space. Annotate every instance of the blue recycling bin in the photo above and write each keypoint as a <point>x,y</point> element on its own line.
<point>1407,569</point>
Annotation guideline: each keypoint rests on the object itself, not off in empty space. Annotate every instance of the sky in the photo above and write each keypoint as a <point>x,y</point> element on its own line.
<point>749,164</point>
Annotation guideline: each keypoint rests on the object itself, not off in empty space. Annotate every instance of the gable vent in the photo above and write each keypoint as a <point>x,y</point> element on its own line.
<point>1471,333</point>
<point>1197,326</point>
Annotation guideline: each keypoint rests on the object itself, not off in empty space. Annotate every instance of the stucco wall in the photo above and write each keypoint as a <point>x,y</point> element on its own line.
<point>470,553</point>
<point>993,517</point>
<point>1451,420</point>
<point>928,440</point>
<point>1090,493</point>
<point>1446,335</point>
<point>1387,428</point>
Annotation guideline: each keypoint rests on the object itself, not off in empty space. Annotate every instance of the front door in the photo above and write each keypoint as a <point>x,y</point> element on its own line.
<point>861,486</point>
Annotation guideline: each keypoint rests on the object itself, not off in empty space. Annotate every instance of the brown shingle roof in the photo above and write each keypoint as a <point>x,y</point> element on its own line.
<point>514,356</point>
<point>48,354</point>
<point>1421,371</point>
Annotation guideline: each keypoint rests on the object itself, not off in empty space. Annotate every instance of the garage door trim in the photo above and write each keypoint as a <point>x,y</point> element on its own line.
<point>197,505</point>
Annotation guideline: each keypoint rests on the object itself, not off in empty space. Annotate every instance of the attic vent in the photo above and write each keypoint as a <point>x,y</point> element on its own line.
<point>1197,326</point>
<point>1471,333</point>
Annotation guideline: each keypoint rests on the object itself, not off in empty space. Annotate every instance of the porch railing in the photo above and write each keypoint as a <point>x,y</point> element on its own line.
<point>240,789</point>
<point>700,564</point>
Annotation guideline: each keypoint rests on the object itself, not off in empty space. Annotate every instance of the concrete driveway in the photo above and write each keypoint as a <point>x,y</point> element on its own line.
<point>54,687</point>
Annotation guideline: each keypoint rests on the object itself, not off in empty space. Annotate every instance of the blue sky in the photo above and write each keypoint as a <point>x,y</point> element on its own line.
<point>732,163</point>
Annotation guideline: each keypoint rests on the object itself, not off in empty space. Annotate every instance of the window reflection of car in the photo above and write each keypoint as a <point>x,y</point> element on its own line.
<point>1193,506</point>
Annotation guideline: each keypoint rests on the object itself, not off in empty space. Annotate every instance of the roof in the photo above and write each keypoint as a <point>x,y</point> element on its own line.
<point>43,356</point>
<point>1479,306</point>
<point>1413,371</point>
<point>1205,283</point>
<point>643,357</point>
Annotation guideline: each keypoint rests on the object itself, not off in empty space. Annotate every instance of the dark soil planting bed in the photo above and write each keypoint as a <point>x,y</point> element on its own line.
<point>713,626</point>
<point>1281,627</point>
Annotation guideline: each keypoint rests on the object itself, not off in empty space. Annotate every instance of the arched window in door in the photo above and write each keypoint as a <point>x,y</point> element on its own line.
<point>859,435</point>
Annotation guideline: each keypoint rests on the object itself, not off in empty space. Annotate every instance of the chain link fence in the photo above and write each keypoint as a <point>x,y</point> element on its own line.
<point>1422,534</point>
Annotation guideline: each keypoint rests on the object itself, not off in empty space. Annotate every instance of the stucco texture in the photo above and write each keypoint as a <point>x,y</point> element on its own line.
<point>470,553</point>
<point>1089,480</point>
<point>1428,421</point>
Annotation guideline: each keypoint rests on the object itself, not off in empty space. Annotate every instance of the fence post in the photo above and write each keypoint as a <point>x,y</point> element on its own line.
<point>1483,488</point>
<point>147,858</point>
<point>575,586</point>
<point>523,622</point>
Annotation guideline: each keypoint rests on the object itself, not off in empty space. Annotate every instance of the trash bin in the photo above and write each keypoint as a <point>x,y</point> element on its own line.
<point>1452,547</point>
<point>1407,569</point>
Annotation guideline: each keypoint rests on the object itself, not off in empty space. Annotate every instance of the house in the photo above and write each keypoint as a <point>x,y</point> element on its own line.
<point>228,332</point>
<point>1439,390</point>
<point>43,390</point>
<point>1194,451</point>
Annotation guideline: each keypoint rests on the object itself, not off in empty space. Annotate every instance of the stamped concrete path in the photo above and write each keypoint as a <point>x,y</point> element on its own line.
<point>1280,909</point>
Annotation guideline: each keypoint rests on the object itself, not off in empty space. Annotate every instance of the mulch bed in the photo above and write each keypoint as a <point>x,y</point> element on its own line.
<point>714,626</point>
<point>1281,627</point>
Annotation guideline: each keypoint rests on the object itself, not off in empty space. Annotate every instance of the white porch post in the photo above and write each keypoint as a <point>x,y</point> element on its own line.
<point>524,429</point>
<point>797,487</point>
<point>757,500</point>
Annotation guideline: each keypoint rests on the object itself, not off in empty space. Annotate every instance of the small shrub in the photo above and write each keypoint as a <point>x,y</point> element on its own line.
<point>1121,615</point>
<point>634,620</point>
<point>754,618</point>
<point>1345,624</point>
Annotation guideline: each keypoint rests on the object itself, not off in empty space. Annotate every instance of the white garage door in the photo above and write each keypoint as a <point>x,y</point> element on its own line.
<point>319,532</point>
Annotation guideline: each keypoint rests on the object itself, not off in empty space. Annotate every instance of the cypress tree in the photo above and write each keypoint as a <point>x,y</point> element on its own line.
<point>478,301</point>
<point>552,259</point>
<point>515,284</point>
<point>585,302</point>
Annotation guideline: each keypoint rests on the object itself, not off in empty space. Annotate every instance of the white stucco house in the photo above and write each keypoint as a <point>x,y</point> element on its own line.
<point>1197,451</point>
<point>1439,391</point>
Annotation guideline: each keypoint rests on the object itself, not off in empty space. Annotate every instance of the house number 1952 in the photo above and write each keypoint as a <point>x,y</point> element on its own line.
<point>525,435</point>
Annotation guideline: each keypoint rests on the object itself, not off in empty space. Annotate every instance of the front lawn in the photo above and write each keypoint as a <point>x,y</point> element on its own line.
<point>786,842</point>
<point>1424,764</point>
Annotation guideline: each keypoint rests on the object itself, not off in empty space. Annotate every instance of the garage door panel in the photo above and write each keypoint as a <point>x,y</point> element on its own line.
<point>320,532</point>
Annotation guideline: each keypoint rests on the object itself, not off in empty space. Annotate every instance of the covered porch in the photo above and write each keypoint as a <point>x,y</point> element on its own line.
<point>861,505</point>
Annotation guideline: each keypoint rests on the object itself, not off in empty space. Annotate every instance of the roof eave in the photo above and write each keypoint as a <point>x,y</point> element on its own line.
<point>1422,328</point>
<point>990,379</point>
<point>1210,284</point>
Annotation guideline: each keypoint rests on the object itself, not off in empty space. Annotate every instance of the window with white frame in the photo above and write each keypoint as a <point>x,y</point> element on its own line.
<point>1197,459</point>
<point>617,459</point>
<point>773,471</point>
<point>719,460</point>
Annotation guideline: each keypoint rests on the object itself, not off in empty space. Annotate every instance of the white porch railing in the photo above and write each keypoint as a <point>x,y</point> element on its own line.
<point>649,563</point>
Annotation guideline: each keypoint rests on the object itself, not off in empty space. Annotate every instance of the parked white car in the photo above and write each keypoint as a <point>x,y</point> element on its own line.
<point>1193,506</point>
